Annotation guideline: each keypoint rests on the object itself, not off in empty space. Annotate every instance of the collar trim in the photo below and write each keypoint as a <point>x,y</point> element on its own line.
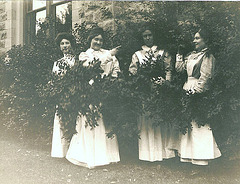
<point>146,48</point>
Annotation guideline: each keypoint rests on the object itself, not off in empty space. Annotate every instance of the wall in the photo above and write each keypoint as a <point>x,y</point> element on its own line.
<point>14,23</point>
<point>104,12</point>
<point>3,32</point>
<point>11,24</point>
<point>92,12</point>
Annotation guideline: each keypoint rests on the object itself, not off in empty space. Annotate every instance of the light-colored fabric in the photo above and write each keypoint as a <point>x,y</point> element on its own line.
<point>170,136</point>
<point>59,66</point>
<point>91,147</point>
<point>200,66</point>
<point>109,63</point>
<point>180,64</point>
<point>195,162</point>
<point>140,57</point>
<point>155,143</point>
<point>59,143</point>
<point>198,144</point>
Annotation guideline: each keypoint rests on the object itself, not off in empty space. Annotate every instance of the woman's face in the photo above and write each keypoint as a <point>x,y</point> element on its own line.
<point>199,42</point>
<point>148,38</point>
<point>65,46</point>
<point>97,42</point>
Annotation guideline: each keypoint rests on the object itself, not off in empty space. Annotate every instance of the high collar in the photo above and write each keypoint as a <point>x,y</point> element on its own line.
<point>67,56</point>
<point>203,50</point>
<point>146,48</point>
<point>90,50</point>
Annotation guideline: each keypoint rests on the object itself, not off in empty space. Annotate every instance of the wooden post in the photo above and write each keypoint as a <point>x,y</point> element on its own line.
<point>50,18</point>
<point>30,24</point>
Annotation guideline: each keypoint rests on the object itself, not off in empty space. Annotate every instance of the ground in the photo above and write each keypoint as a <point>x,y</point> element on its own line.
<point>28,161</point>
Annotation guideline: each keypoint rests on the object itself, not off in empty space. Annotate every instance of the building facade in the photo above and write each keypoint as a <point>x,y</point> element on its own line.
<point>20,19</point>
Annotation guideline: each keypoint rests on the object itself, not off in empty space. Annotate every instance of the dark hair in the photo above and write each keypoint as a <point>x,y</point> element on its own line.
<point>143,27</point>
<point>146,26</point>
<point>66,36</point>
<point>95,32</point>
<point>204,34</point>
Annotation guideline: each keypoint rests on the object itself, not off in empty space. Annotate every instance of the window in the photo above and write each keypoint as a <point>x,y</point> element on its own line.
<point>58,13</point>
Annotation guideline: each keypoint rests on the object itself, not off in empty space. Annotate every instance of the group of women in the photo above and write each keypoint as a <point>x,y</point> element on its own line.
<point>91,147</point>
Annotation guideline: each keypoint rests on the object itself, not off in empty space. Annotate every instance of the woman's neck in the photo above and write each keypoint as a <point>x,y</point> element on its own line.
<point>201,49</point>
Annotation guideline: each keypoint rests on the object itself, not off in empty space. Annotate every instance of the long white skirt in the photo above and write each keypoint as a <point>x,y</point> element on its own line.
<point>156,143</point>
<point>198,145</point>
<point>91,147</point>
<point>59,143</point>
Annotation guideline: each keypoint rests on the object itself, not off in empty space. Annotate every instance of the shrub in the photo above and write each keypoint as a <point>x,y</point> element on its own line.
<point>25,74</point>
<point>26,93</point>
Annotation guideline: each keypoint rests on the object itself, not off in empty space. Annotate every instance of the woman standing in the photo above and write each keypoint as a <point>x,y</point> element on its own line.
<point>91,147</point>
<point>65,41</point>
<point>198,145</point>
<point>155,143</point>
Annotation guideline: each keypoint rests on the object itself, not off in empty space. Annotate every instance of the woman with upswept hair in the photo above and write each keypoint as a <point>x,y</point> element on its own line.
<point>90,147</point>
<point>198,145</point>
<point>156,143</point>
<point>65,42</point>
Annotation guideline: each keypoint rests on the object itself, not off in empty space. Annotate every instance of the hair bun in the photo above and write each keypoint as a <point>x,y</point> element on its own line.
<point>95,32</point>
<point>66,36</point>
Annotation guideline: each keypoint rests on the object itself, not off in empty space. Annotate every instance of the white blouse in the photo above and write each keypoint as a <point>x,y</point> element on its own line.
<point>59,66</point>
<point>140,57</point>
<point>109,63</point>
<point>200,66</point>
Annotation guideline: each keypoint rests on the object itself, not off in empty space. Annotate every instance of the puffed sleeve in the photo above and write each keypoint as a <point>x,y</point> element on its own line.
<point>168,65</point>
<point>181,63</point>
<point>206,73</point>
<point>115,68</point>
<point>134,64</point>
<point>84,58</point>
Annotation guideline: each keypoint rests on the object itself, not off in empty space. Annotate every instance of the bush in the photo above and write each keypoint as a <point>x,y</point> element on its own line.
<point>26,93</point>
<point>25,74</point>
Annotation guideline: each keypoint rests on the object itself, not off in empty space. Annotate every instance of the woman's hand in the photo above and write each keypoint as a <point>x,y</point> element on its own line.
<point>115,50</point>
<point>180,64</point>
<point>179,58</point>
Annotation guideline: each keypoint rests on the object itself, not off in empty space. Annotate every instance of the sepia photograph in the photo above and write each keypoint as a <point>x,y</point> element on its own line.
<point>119,92</point>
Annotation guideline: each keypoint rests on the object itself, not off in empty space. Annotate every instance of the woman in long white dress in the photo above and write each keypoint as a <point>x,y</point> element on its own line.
<point>91,147</point>
<point>198,145</point>
<point>155,143</point>
<point>65,42</point>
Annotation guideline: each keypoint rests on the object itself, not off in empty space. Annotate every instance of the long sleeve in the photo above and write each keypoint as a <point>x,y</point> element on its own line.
<point>115,67</point>
<point>168,65</point>
<point>180,64</point>
<point>109,63</point>
<point>134,64</point>
<point>206,73</point>
<point>84,57</point>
